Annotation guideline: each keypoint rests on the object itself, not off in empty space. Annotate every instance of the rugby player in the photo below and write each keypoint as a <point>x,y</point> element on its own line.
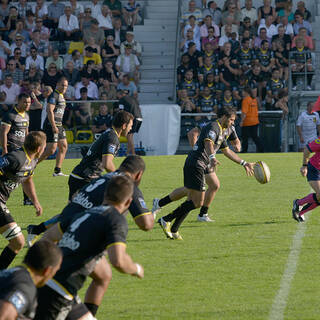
<point>56,135</point>
<point>179,193</point>
<point>101,153</point>
<point>14,128</point>
<point>310,169</point>
<point>201,162</point>
<point>18,286</point>
<point>81,249</point>
<point>92,195</point>
<point>17,167</point>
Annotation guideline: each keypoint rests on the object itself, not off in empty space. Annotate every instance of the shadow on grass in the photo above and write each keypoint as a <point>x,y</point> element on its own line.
<point>248,224</point>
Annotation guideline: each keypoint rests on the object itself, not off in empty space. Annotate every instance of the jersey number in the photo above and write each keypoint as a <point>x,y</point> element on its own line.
<point>91,187</point>
<point>75,225</point>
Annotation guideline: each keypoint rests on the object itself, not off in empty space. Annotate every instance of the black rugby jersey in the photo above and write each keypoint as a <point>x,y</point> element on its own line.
<point>207,104</point>
<point>92,194</point>
<point>215,133</point>
<point>17,287</point>
<point>264,57</point>
<point>245,57</point>
<point>228,103</point>
<point>190,86</point>
<point>100,120</point>
<point>58,100</point>
<point>300,55</point>
<point>19,123</point>
<point>15,167</point>
<point>84,238</point>
<point>90,166</point>
<point>205,70</point>
<point>275,85</point>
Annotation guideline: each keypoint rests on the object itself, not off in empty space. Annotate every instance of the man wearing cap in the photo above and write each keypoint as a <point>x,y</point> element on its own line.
<point>18,43</point>
<point>136,47</point>
<point>94,32</point>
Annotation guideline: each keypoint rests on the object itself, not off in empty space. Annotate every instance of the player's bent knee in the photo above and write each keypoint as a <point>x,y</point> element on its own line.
<point>13,232</point>
<point>16,244</point>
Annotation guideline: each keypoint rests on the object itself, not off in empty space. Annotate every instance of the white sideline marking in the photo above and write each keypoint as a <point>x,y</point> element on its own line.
<point>280,301</point>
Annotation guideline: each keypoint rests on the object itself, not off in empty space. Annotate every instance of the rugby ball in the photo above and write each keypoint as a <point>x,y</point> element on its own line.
<point>262,172</point>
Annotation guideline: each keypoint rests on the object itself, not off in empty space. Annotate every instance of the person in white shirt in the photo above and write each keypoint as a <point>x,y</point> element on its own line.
<point>249,11</point>
<point>18,43</point>
<point>93,91</point>
<point>270,27</point>
<point>105,18</point>
<point>95,8</point>
<point>68,28</point>
<point>76,8</point>
<point>308,126</point>
<point>4,48</point>
<point>40,10</point>
<point>35,59</point>
<point>11,89</point>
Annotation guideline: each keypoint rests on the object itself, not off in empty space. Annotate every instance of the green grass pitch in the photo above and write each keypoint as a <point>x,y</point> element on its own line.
<point>229,269</point>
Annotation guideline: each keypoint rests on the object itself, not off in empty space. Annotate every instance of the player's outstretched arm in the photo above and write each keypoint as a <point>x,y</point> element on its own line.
<point>248,166</point>
<point>30,190</point>
<point>7,311</point>
<point>123,262</point>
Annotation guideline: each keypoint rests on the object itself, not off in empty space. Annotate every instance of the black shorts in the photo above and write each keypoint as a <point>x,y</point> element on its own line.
<point>75,185</point>
<point>5,216</point>
<point>54,137</point>
<point>194,173</point>
<point>136,125</point>
<point>53,306</point>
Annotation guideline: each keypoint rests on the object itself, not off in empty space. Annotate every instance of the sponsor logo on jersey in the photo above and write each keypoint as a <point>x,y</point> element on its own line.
<point>82,200</point>
<point>18,300</point>
<point>142,203</point>
<point>112,148</point>
<point>68,241</point>
<point>212,135</point>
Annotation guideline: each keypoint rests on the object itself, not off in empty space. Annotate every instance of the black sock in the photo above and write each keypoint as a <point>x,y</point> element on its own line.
<point>6,257</point>
<point>40,228</point>
<point>57,170</point>
<point>93,308</point>
<point>203,211</point>
<point>185,208</point>
<point>164,201</point>
<point>25,197</point>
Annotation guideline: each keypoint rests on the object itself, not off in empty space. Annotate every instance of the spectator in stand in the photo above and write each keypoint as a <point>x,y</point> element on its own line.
<point>301,23</point>
<point>274,85</point>
<point>246,25</point>
<point>128,85</point>
<point>192,10</point>
<point>91,43</point>
<point>51,76</point>
<point>186,103</point>
<point>76,58</point>
<point>184,45</point>
<point>4,48</point>
<point>269,26</point>
<point>11,89</point>
<point>13,71</point>
<point>131,13</point>
<point>227,100</point>
<point>30,21</point>
<point>266,10</point>
<point>22,8</point>
<point>192,25</point>
<point>209,52</point>
<point>308,126</point>
<point>19,30</point>
<point>286,12</point>
<point>86,20</point>
<point>40,9</point>
<point>105,19</point>
<point>95,8</point>
<point>119,35</point>
<point>102,121</point>
<point>76,9</point>
<point>82,111</point>
<point>4,8</point>
<point>72,74</point>
<point>208,67</point>
<point>281,55</point>
<point>90,72</point>
<point>232,12</point>
<point>128,63</point>
<point>265,57</point>
<point>55,59</point>
<point>109,89</point>
<point>20,61</point>
<point>110,51</point>
<point>199,4</point>
<point>301,61</point>
<point>136,46</point>
<point>33,74</point>
<point>11,20</point>
<point>301,8</point>
<point>208,23</point>
<point>214,11</point>
<point>18,43</point>
<point>280,4</point>
<point>229,22</point>
<point>288,28</point>
<point>245,55</point>
<point>194,55</point>
<point>94,32</point>
<point>255,79</point>
<point>262,37</point>
<point>55,11</point>
<point>226,37</point>
<point>207,103</point>
<point>91,56</point>
<point>250,119</point>
<point>115,7</point>
<point>308,41</point>
<point>68,28</point>
<point>190,85</point>
<point>44,31</point>
<point>35,58</point>
<point>285,38</point>
<point>91,87</point>
<point>282,102</point>
<point>211,38</point>
<point>183,67</point>
<point>42,46</point>
<point>248,11</point>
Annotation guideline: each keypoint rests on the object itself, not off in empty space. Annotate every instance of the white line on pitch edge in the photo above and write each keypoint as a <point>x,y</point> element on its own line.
<point>280,301</point>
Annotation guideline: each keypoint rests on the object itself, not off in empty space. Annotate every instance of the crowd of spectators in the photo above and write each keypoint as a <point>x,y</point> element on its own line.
<point>91,44</point>
<point>227,50</point>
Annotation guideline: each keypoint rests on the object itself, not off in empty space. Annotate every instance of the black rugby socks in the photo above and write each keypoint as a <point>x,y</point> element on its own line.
<point>6,257</point>
<point>203,211</point>
<point>164,201</point>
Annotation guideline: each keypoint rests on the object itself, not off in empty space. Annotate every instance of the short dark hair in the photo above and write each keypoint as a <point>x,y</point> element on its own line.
<point>34,140</point>
<point>226,111</point>
<point>43,254</point>
<point>263,42</point>
<point>121,117</point>
<point>118,189</point>
<point>23,95</point>
<point>83,90</point>
<point>245,40</point>
<point>132,164</point>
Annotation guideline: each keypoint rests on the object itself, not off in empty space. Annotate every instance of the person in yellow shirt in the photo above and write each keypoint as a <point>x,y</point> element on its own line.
<point>91,55</point>
<point>250,119</point>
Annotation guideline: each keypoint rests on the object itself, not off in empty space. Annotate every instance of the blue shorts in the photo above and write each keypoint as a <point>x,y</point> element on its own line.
<point>313,173</point>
